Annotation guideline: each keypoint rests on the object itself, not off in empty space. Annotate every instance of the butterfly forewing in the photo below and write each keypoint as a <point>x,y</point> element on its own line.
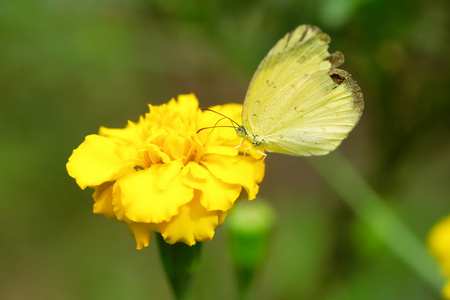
<point>297,102</point>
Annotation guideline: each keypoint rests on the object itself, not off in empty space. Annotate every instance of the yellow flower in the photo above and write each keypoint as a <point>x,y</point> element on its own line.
<point>160,175</point>
<point>439,245</point>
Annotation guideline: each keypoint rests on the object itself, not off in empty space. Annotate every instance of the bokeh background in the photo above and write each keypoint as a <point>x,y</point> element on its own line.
<point>68,67</point>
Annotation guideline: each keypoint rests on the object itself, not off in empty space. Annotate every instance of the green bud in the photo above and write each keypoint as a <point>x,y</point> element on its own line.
<point>249,229</point>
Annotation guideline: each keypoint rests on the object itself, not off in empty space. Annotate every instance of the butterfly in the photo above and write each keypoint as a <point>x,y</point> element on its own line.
<point>298,102</point>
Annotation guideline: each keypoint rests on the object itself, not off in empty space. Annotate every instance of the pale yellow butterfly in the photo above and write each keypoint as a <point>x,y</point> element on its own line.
<point>298,103</point>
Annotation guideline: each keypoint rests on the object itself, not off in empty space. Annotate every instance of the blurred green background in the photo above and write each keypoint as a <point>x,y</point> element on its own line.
<point>68,67</point>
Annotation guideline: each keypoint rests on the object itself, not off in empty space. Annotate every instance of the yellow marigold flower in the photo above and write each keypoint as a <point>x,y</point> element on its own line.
<point>160,175</point>
<point>439,245</point>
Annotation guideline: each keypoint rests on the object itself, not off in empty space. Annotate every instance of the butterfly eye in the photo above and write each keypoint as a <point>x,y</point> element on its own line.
<point>241,132</point>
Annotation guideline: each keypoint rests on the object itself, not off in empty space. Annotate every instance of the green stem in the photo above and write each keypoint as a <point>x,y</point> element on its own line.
<point>368,206</point>
<point>180,262</point>
<point>245,277</point>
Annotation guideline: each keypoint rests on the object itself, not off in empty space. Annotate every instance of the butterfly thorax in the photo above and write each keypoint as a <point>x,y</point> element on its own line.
<point>255,140</point>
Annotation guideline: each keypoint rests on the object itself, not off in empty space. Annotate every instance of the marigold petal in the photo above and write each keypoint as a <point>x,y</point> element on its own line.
<point>168,173</point>
<point>222,216</point>
<point>95,161</point>
<point>174,146</point>
<point>141,232</point>
<point>187,102</point>
<point>221,150</point>
<point>200,150</point>
<point>439,243</point>
<point>142,201</point>
<point>103,198</point>
<point>156,156</point>
<point>446,290</point>
<point>131,134</point>
<point>193,224</point>
<point>237,170</point>
<point>210,198</point>
<point>197,171</point>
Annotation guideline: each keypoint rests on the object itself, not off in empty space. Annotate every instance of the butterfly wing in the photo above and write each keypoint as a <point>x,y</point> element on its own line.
<point>298,103</point>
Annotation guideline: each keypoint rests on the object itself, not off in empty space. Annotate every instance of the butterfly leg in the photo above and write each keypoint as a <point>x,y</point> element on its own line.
<point>264,155</point>
<point>240,145</point>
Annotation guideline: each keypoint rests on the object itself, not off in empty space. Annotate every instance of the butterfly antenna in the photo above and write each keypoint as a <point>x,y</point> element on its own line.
<point>208,109</point>
<point>215,125</point>
<point>201,129</point>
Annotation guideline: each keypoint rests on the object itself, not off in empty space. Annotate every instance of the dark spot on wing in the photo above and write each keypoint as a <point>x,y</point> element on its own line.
<point>338,76</point>
<point>296,108</point>
<point>271,83</point>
